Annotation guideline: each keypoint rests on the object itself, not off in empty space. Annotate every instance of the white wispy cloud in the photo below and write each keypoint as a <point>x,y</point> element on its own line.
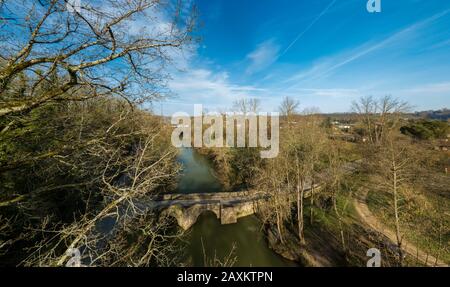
<point>434,88</point>
<point>214,89</point>
<point>326,66</point>
<point>262,57</point>
<point>332,92</point>
<point>442,44</point>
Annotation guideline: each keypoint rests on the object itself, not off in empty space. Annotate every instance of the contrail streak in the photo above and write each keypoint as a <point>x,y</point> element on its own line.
<point>307,28</point>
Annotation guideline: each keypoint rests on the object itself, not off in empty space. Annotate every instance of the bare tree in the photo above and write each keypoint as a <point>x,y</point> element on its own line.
<point>228,260</point>
<point>155,243</point>
<point>71,84</point>
<point>304,146</point>
<point>288,107</point>
<point>275,180</point>
<point>379,115</point>
<point>143,174</point>
<point>334,180</point>
<point>246,106</point>
<point>366,108</point>
<point>95,51</point>
<point>393,166</point>
<point>389,111</point>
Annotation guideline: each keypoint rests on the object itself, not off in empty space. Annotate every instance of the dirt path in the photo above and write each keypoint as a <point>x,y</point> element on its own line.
<point>368,218</point>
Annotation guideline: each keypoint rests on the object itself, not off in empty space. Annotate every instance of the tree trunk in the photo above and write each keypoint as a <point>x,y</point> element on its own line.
<point>300,194</point>
<point>341,230</point>
<point>277,209</point>
<point>369,129</point>
<point>397,223</point>
<point>279,228</point>
<point>311,201</point>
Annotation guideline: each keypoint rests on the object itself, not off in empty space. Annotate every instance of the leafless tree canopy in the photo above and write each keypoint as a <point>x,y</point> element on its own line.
<point>245,106</point>
<point>117,47</point>
<point>379,115</point>
<point>289,106</point>
<point>76,149</point>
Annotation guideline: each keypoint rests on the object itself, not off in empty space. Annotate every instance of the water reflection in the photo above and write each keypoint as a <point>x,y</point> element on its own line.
<point>207,237</point>
<point>198,174</point>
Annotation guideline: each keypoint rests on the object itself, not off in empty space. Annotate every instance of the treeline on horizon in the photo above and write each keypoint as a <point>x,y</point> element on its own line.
<point>440,115</point>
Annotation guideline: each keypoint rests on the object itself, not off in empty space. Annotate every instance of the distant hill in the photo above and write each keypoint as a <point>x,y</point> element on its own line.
<point>443,114</point>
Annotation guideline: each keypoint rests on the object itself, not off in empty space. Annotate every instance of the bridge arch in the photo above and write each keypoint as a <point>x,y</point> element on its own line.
<point>227,206</point>
<point>187,216</point>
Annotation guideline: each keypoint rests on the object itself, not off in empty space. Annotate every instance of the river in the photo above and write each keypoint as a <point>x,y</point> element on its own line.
<point>208,237</point>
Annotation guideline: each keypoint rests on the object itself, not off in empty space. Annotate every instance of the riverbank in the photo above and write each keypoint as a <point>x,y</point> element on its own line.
<point>208,242</point>
<point>309,254</point>
<point>329,240</point>
<point>316,252</point>
<point>218,160</point>
<point>290,248</point>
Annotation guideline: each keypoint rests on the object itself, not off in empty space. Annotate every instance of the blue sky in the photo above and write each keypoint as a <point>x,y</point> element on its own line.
<point>325,53</point>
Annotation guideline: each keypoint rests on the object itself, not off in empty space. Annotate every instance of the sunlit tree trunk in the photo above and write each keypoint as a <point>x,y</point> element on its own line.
<point>311,201</point>
<point>300,196</point>
<point>279,221</point>
<point>397,221</point>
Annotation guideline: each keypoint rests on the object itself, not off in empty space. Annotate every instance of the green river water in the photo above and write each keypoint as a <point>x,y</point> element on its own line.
<point>208,237</point>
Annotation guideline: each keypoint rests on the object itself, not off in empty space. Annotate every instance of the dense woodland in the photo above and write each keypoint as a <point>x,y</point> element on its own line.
<point>76,145</point>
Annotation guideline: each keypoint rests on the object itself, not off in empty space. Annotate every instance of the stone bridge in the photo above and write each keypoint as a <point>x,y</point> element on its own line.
<point>227,206</point>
